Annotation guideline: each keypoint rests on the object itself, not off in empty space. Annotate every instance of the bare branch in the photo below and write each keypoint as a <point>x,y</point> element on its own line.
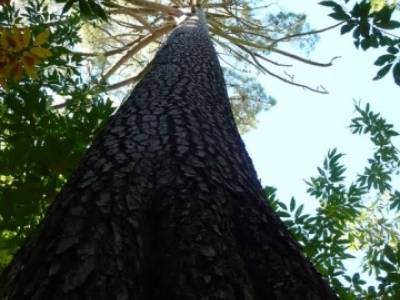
<point>168,10</point>
<point>136,10</point>
<point>255,63</point>
<point>304,60</point>
<point>238,55</point>
<point>238,41</point>
<point>229,64</point>
<point>136,16</point>
<point>136,48</point>
<point>122,83</point>
<point>132,79</point>
<point>271,61</point>
<point>288,37</point>
<point>108,53</point>
<point>128,24</point>
<point>320,90</point>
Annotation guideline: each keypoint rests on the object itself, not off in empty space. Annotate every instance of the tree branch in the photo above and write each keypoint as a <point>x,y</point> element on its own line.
<point>136,16</point>
<point>168,10</point>
<point>321,90</point>
<point>108,53</point>
<point>288,37</point>
<point>304,60</point>
<point>132,79</point>
<point>136,48</point>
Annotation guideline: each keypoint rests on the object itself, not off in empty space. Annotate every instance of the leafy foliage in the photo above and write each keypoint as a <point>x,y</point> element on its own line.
<point>346,220</point>
<point>20,53</point>
<point>40,144</point>
<point>87,8</point>
<point>370,23</point>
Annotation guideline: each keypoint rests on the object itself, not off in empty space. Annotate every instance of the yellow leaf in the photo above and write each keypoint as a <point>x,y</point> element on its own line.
<point>17,39</point>
<point>17,72</point>
<point>3,83</point>
<point>377,5</point>
<point>26,36</point>
<point>9,68</point>
<point>4,62</point>
<point>4,40</point>
<point>41,52</point>
<point>14,70</point>
<point>12,43</point>
<point>30,61</point>
<point>42,38</point>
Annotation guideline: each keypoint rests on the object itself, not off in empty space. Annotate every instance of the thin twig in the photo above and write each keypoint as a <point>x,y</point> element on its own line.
<point>288,37</point>
<point>304,60</point>
<point>136,48</point>
<point>136,16</point>
<point>168,10</point>
<point>316,90</point>
<point>108,53</point>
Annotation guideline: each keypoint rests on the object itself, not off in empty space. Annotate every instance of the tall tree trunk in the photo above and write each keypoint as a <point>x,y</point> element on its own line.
<point>166,203</point>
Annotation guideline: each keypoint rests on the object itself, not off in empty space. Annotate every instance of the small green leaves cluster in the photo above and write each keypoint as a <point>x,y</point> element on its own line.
<point>385,159</point>
<point>39,143</point>
<point>371,29</point>
<point>90,9</point>
<point>347,220</point>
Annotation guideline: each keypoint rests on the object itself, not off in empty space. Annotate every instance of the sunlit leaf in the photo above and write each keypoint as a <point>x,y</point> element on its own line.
<point>41,52</point>
<point>42,38</point>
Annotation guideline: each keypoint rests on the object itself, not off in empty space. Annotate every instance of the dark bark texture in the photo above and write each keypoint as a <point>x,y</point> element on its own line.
<point>166,204</point>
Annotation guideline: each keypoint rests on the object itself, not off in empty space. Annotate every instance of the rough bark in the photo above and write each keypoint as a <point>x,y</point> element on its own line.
<point>166,203</point>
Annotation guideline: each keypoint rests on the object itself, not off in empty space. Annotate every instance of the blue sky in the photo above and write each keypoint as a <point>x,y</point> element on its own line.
<point>293,137</point>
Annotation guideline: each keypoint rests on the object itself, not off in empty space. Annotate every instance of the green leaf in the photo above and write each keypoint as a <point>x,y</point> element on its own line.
<point>68,6</point>
<point>346,28</point>
<point>329,3</point>
<point>387,58</point>
<point>388,251</point>
<point>388,267</point>
<point>97,10</point>
<point>382,72</point>
<point>292,204</point>
<point>396,73</point>
<point>339,15</point>
<point>356,278</point>
<point>389,25</point>
<point>283,214</point>
<point>282,205</point>
<point>84,8</point>
<point>361,10</point>
<point>299,210</point>
<point>392,50</point>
